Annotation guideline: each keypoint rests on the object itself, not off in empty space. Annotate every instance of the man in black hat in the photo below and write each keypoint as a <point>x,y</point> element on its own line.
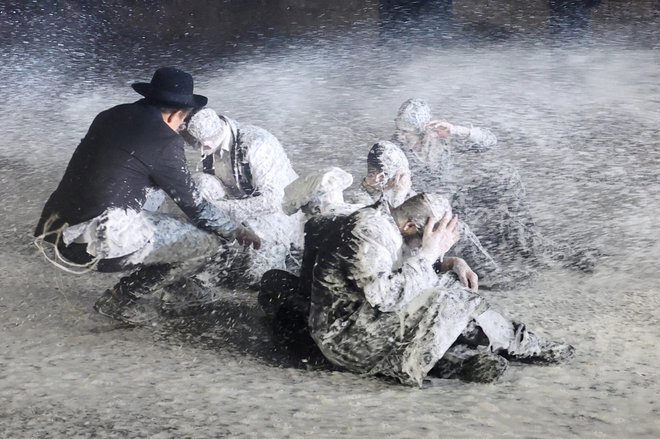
<point>98,215</point>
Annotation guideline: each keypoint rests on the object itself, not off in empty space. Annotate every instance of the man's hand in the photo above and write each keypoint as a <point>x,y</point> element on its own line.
<point>439,128</point>
<point>439,236</point>
<point>466,276</point>
<point>246,237</point>
<point>444,129</point>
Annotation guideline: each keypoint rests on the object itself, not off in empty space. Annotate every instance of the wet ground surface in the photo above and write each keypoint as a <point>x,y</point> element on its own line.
<point>578,118</point>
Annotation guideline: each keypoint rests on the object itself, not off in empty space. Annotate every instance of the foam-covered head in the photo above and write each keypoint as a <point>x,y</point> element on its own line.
<point>413,116</point>
<point>388,173</point>
<point>388,158</point>
<point>316,191</point>
<point>208,130</point>
<point>422,206</point>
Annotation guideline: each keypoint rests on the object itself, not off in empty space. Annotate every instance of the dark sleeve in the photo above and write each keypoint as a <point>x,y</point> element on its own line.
<point>170,173</point>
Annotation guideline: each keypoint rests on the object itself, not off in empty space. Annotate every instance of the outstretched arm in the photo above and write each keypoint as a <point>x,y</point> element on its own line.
<point>171,174</point>
<point>465,138</point>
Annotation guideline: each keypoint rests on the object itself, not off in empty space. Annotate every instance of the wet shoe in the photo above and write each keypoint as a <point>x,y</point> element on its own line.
<point>125,308</point>
<point>530,348</point>
<point>549,352</point>
<point>484,367</point>
<point>188,297</point>
<point>470,364</point>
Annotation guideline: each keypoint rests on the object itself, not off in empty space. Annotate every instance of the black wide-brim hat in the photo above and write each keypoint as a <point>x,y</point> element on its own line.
<point>170,87</point>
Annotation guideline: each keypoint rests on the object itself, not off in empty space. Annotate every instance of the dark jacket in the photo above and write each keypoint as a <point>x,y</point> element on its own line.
<point>127,149</point>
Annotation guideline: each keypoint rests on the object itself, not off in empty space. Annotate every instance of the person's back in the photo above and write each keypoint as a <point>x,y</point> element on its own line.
<point>114,164</point>
<point>96,218</point>
<point>265,149</point>
<point>268,171</point>
<point>342,317</point>
<point>285,297</point>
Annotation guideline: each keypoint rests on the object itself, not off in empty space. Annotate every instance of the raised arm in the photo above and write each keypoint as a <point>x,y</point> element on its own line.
<point>386,285</point>
<point>464,138</point>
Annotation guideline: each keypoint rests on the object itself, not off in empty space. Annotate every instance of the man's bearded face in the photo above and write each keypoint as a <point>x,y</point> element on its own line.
<point>412,233</point>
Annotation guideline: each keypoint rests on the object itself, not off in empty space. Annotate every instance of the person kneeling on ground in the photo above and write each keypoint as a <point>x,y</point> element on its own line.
<point>99,215</point>
<point>245,171</point>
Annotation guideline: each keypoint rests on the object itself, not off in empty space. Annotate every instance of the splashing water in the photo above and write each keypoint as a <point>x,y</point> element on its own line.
<point>576,113</point>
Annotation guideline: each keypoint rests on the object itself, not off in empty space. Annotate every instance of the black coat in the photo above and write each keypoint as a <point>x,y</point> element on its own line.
<point>127,149</point>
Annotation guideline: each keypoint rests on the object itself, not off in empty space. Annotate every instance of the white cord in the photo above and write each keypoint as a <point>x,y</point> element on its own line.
<point>61,262</point>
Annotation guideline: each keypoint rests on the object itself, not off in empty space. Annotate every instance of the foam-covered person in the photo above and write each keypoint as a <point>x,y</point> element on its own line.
<point>433,144</point>
<point>389,177</point>
<point>245,171</point>
<point>388,174</point>
<point>379,308</point>
<point>489,196</point>
<point>285,296</point>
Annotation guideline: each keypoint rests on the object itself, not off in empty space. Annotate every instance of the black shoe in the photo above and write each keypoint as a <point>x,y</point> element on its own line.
<point>188,297</point>
<point>126,308</point>
<point>530,348</point>
<point>484,367</point>
<point>471,365</point>
<point>548,352</point>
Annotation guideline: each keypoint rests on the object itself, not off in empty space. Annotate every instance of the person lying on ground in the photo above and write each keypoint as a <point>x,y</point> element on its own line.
<point>96,218</point>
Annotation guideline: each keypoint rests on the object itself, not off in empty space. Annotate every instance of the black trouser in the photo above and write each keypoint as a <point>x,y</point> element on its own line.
<point>284,302</point>
<point>281,298</point>
<point>77,253</point>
